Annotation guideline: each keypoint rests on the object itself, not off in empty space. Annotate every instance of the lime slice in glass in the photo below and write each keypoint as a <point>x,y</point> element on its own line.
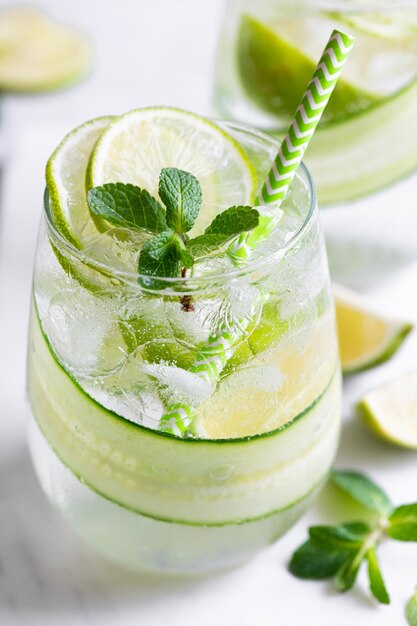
<point>65,178</point>
<point>149,140</point>
<point>390,411</point>
<point>38,53</point>
<point>276,62</point>
<point>366,338</point>
<point>137,145</point>
<point>273,386</point>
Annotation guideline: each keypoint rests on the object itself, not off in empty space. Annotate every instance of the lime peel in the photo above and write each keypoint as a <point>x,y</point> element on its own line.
<point>65,173</point>
<point>389,411</point>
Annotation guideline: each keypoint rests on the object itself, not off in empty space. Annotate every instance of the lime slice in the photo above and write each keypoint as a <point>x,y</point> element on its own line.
<point>37,53</point>
<point>390,411</point>
<point>276,63</point>
<point>366,338</point>
<point>273,386</point>
<point>65,178</point>
<point>137,145</point>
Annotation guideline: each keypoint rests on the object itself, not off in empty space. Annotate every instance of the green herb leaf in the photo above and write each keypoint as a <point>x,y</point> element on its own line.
<point>376,580</point>
<point>313,563</point>
<point>403,523</point>
<point>342,537</point>
<point>411,610</point>
<point>225,226</point>
<point>233,221</point>
<point>127,206</point>
<point>363,490</point>
<point>159,257</point>
<point>347,573</point>
<point>185,257</point>
<point>181,193</point>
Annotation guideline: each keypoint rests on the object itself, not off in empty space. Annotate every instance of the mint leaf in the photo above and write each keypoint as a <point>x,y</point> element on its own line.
<point>313,563</point>
<point>403,523</point>
<point>342,537</point>
<point>376,580</point>
<point>204,245</point>
<point>181,193</point>
<point>185,257</point>
<point>347,573</point>
<point>128,206</point>
<point>233,221</point>
<point>224,227</point>
<point>363,490</point>
<point>159,257</point>
<point>411,610</point>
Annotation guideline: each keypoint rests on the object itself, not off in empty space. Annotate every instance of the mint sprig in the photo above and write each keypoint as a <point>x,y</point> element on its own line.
<point>339,551</point>
<point>170,253</point>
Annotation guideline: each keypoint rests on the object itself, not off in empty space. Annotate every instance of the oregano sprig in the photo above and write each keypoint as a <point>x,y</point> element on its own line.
<point>338,551</point>
<point>170,252</point>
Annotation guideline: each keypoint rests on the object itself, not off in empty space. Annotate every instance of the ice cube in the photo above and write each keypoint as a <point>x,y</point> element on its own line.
<point>180,382</point>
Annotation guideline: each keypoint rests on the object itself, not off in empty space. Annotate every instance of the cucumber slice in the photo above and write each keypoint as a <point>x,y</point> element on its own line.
<point>367,151</point>
<point>209,482</point>
<point>138,542</point>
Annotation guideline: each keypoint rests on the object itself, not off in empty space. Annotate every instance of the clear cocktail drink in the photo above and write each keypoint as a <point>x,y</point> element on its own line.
<point>108,354</point>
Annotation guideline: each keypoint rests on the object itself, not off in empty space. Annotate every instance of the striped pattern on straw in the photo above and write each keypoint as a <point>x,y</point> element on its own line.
<point>301,130</point>
<point>179,419</point>
<point>208,365</point>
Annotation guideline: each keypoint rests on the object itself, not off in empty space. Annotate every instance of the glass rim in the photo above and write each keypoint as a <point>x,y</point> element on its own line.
<point>193,282</point>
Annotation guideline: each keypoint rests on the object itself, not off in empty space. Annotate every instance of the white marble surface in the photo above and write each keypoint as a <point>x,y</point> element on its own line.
<point>47,578</point>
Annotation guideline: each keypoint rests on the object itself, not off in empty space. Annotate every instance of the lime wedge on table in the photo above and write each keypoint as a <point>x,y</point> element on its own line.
<point>366,338</point>
<point>37,53</point>
<point>277,63</point>
<point>390,411</point>
<point>137,145</point>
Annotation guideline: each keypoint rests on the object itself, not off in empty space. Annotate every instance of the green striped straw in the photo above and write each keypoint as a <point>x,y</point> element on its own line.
<point>296,140</point>
<point>179,418</point>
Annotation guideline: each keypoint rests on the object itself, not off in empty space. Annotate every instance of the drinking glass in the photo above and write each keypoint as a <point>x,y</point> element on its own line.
<point>107,355</point>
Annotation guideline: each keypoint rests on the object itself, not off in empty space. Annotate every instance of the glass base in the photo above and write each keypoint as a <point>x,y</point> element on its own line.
<point>142,543</point>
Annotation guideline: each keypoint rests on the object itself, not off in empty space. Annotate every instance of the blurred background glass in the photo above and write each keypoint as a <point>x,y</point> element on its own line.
<point>365,143</point>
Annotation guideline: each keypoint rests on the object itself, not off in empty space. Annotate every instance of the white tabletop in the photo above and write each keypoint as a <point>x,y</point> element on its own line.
<point>147,52</point>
